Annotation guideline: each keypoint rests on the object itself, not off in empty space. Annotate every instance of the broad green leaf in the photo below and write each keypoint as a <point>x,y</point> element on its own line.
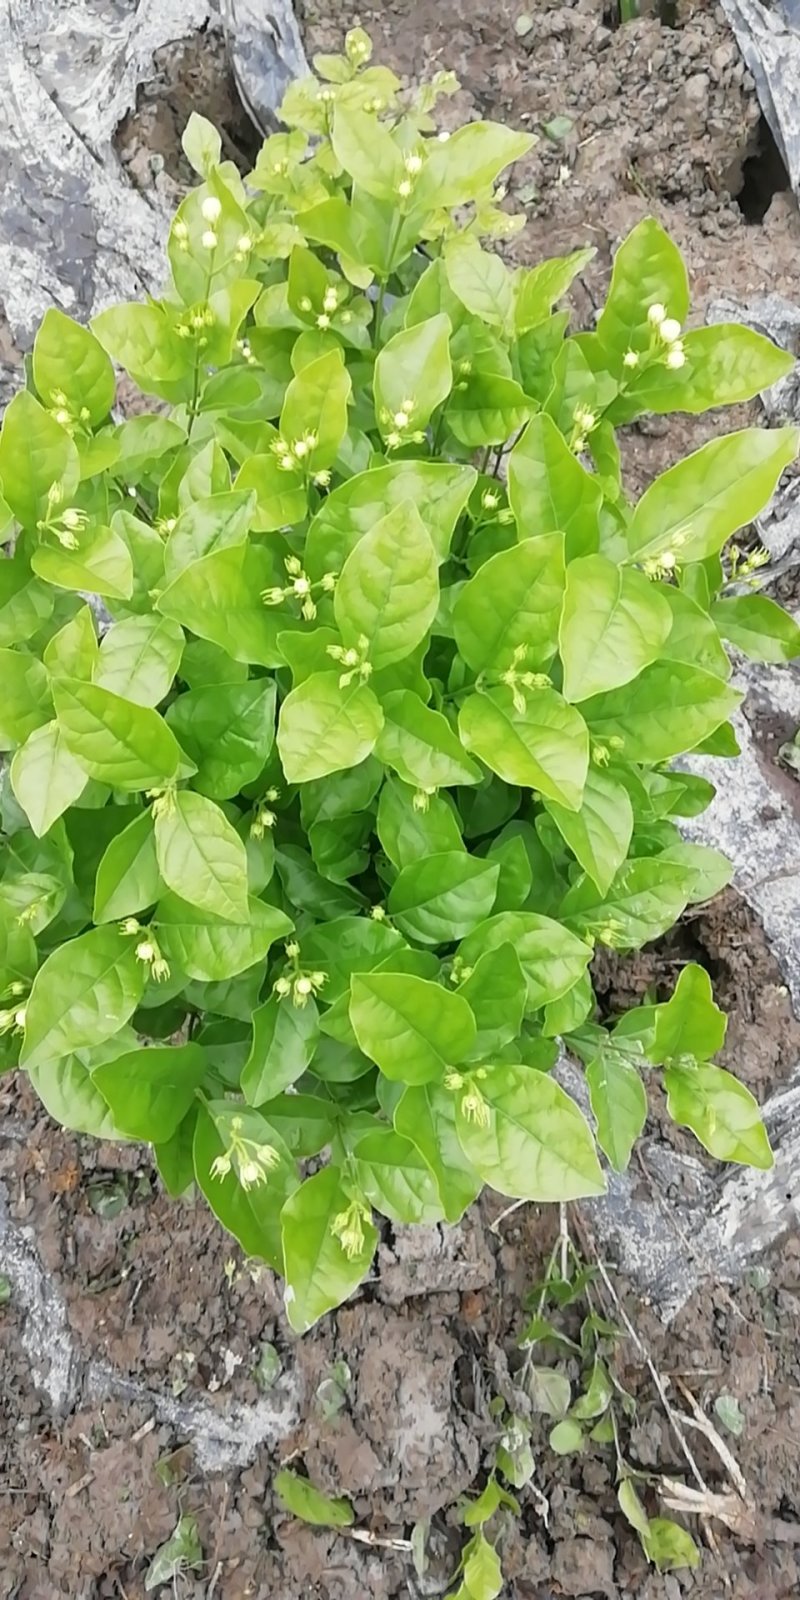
<point>208,948</point>
<point>139,658</point>
<point>71,369</point>
<point>551,957</point>
<point>707,870</point>
<point>219,598</point>
<point>613,624</point>
<point>692,508</point>
<point>347,945</point>
<point>550,491</point>
<point>420,745</point>
<point>515,883</point>
<point>315,404</point>
<point>496,991</point>
<point>528,1139</point>
<point>25,703</point>
<point>200,855</point>
<point>213,523</point>
<point>252,1215</point>
<point>483,1574</point>
<point>201,144</point>
<point>459,168</point>
<point>100,564</point>
<point>124,745</point>
<point>648,270</point>
<point>425,1115</point>
<point>759,627</point>
<point>45,778</point>
<point>413,376</point>
<point>300,1497</point>
<point>368,152</point>
<point>513,603</point>
<point>540,287</point>
<point>723,365</point>
<point>25,602</point>
<point>543,746</point>
<point>83,994</point>
<point>481,281</point>
<point>566,1014</point>
<point>671,707</point>
<point>438,900</point>
<point>150,1091</point>
<point>600,832</point>
<point>18,954</point>
<point>324,728</point>
<point>320,1274</point>
<point>693,636</point>
<point>408,833</point>
<point>39,464</point>
<point>228,731</point>
<point>284,1040</point>
<point>619,1104</point>
<point>645,898</point>
<point>412,1029</point>
<point>395,1178</point>
<point>690,1024</point>
<point>281,497</point>
<point>205,665</point>
<point>669,1546</point>
<point>146,548</point>
<point>486,408</point>
<point>439,491</point>
<point>566,1437</point>
<point>72,652</point>
<point>128,879</point>
<point>68,1092</point>
<point>388,590</point>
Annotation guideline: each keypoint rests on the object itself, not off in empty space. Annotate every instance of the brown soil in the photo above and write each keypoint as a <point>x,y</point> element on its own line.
<point>134,1329</point>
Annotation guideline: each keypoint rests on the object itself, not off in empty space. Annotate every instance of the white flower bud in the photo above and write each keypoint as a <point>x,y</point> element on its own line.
<point>656,314</point>
<point>209,239</point>
<point>211,209</point>
<point>670,330</point>
<point>675,357</point>
<point>630,359</point>
<point>404,188</point>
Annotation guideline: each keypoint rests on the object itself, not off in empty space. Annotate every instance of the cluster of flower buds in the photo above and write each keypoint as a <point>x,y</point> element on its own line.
<point>253,1161</point>
<point>399,427</point>
<point>421,798</point>
<point>299,588</point>
<point>66,526</point>
<point>471,1102</point>
<point>264,818</point>
<point>330,305</point>
<point>354,659</point>
<point>61,413</point>
<point>13,1019</point>
<point>302,987</point>
<point>147,950</point>
<point>664,564</point>
<point>583,422</point>
<point>518,681</point>
<point>293,457</point>
<point>601,753</point>
<point>667,332</point>
<point>413,166</point>
<point>348,1228</point>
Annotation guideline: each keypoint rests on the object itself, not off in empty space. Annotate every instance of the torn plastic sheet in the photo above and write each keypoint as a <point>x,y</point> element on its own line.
<point>769,39</point>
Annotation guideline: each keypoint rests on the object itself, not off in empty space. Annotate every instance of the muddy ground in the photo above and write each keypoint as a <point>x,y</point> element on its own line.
<point>132,1340</point>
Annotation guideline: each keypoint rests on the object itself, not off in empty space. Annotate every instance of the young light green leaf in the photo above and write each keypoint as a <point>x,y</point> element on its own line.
<point>508,613</point>
<point>540,288</point>
<point>525,1136</point>
<point>692,508</point>
<point>388,590</point>
<point>71,370</point>
<point>128,879</point>
<point>219,598</point>
<point>253,1213</point>
<point>542,744</point>
<point>215,522</point>
<point>45,778</point>
<point>600,832</point>
<point>481,281</point>
<point>115,741</point>
<point>315,410</point>
<point>83,994</point>
<point>413,376</point>
<point>228,730</point>
<point>458,168</point>
<point>396,1179</point>
<point>324,728</point>
<point>39,463</point>
<point>72,652</point>
<point>321,1270</point>
<point>100,564</point>
<point>200,855</point>
<point>669,708</point>
<point>720,1111</point>
<point>486,408</point>
<point>551,957</point>
<point>644,899</point>
<point>284,1040</point>
<point>613,624</point>
<point>425,1115</point>
<point>139,658</point>
<point>368,152</point>
<point>442,898</point>
<point>496,991</point>
<point>619,1104</point>
<point>406,832</point>
<point>483,1574</point>
<point>723,365</point>
<point>420,745</point>
<point>550,491</point>
<point>438,489</point>
<point>759,627</point>
<point>648,270</point>
<point>69,1094</point>
<point>300,1497</point>
<point>150,1091</point>
<point>690,1024</point>
<point>201,144</point>
<point>412,1029</point>
<point>25,704</point>
<point>211,950</point>
<point>669,1546</point>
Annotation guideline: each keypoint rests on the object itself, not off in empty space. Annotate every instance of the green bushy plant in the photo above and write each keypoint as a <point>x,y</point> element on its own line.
<point>311,826</point>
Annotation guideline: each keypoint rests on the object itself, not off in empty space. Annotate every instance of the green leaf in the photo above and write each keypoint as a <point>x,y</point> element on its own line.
<point>83,994</point>
<point>139,658</point>
<point>25,704</point>
<point>73,651</point>
<point>600,832</point>
<point>68,1092</point>
<point>551,957</point>
<point>201,144</point>
<point>414,1030</point>
<point>252,1215</point>
<point>388,590</point>
<point>496,992</point>
<point>469,161</point>
<point>543,746</point>
<point>619,1104</point>
<point>408,833</point>
<point>71,369</point>
<point>128,879</point>
<point>219,598</point>
<point>117,742</point>
<point>201,857</point>
<point>528,1139</point>
<point>648,270</point>
<point>18,954</point>
<point>25,602</point>
<point>690,1024</point>
<point>486,408</point>
<point>442,898</point>
<point>425,1115</point>
<point>209,949</point>
<point>216,522</point>
<point>439,491</point>
<point>645,898</point>
<point>45,778</point>
<point>513,602</point>
<point>669,1546</point>
<point>613,624</point>
<point>300,1497</point>
<point>150,1091</point>
<point>101,564</point>
<point>281,497</point>
<point>316,403</point>
<point>723,365</point>
<point>481,281</point>
<point>483,1574</point>
<point>759,627</point>
<point>320,1274</point>
<point>228,732</point>
<point>420,745</point>
<point>324,728</point>
<point>413,376</point>
<point>39,465</point>
<point>566,1437</point>
<point>690,510</point>
<point>720,1111</point>
<point>671,707</point>
<point>396,1179</point>
<point>540,288</point>
<point>366,149</point>
<point>284,1040</point>
<point>550,491</point>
